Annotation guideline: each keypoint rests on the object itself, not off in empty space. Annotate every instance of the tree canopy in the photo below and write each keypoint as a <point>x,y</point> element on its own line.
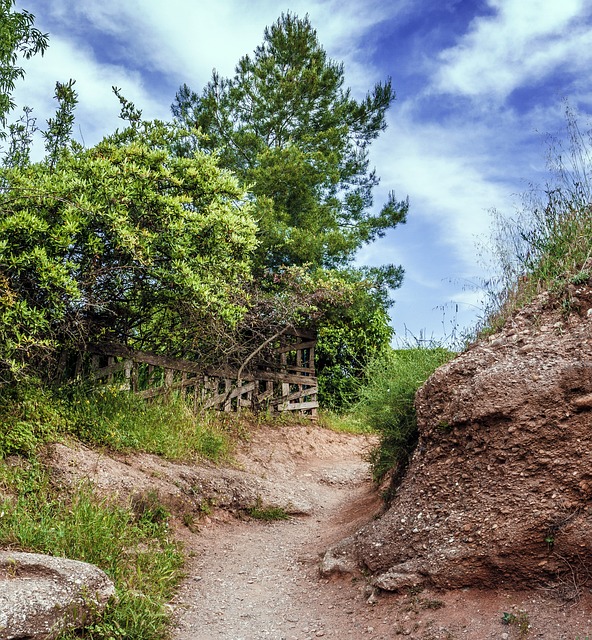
<point>122,241</point>
<point>289,129</point>
<point>205,237</point>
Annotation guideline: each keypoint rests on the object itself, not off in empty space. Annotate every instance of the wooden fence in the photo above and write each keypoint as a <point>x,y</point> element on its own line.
<point>291,385</point>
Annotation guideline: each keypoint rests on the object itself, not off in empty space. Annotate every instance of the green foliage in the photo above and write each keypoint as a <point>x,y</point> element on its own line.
<point>18,37</point>
<point>122,241</point>
<point>285,125</point>
<point>519,620</point>
<point>29,416</point>
<point>133,550</point>
<point>352,331</point>
<point>387,403</point>
<point>123,421</point>
<point>58,134</point>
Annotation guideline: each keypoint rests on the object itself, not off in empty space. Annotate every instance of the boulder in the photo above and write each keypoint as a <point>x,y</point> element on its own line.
<point>40,595</point>
<point>499,489</point>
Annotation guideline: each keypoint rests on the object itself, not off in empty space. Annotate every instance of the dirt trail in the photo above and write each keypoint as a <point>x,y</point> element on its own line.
<point>251,580</point>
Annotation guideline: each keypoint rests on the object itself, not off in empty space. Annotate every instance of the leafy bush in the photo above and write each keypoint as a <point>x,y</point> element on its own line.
<point>29,416</point>
<point>387,403</point>
<point>123,241</point>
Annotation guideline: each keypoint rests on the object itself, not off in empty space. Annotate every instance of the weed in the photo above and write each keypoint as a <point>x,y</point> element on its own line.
<point>150,512</point>
<point>259,512</point>
<point>444,426</point>
<point>343,423</point>
<point>582,277</point>
<point>123,421</point>
<point>387,404</point>
<point>29,416</point>
<point>545,245</point>
<point>520,620</point>
<point>414,602</point>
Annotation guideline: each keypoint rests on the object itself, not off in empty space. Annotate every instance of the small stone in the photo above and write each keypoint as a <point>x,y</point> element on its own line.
<point>505,636</point>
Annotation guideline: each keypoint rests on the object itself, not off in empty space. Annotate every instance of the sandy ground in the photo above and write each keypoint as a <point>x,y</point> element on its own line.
<point>249,580</point>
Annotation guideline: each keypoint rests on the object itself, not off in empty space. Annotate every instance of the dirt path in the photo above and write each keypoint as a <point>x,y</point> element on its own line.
<point>251,580</point>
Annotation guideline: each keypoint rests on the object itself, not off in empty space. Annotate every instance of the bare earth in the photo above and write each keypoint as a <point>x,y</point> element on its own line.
<point>249,580</point>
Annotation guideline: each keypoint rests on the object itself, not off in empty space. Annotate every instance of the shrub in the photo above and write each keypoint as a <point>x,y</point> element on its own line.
<point>29,416</point>
<point>387,403</point>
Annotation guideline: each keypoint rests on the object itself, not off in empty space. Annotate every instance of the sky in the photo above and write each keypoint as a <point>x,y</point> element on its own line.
<point>480,86</point>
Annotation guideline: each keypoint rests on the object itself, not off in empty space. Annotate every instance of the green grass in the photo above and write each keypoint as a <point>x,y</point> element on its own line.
<point>123,421</point>
<point>31,414</point>
<point>343,422</point>
<point>132,546</point>
<point>387,404</point>
<point>556,254</point>
<point>269,514</point>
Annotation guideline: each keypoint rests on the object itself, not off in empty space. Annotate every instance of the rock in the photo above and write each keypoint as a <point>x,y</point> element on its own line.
<point>42,595</point>
<point>501,496</point>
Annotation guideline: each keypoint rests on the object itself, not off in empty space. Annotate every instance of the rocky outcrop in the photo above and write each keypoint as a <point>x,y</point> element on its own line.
<point>40,596</point>
<point>499,489</point>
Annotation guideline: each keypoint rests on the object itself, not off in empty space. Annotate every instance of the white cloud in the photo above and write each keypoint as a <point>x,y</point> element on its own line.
<point>186,40</point>
<point>451,182</point>
<point>522,43</point>
<point>98,109</point>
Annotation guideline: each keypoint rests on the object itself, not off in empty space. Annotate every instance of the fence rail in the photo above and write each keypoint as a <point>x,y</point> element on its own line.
<point>292,386</point>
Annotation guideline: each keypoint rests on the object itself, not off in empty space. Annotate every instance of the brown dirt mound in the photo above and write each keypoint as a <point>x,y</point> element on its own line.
<point>498,492</point>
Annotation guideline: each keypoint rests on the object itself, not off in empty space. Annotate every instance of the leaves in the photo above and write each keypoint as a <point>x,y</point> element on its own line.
<point>123,241</point>
<point>18,37</point>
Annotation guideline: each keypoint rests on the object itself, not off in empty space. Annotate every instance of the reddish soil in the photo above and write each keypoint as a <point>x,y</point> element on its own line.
<point>250,580</point>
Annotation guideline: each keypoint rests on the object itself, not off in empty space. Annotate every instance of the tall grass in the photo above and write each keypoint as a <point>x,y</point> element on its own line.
<point>387,403</point>
<point>548,242</point>
<point>132,547</point>
<point>31,414</point>
<point>124,421</point>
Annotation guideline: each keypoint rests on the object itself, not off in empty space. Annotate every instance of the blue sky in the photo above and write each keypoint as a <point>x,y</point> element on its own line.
<point>480,85</point>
